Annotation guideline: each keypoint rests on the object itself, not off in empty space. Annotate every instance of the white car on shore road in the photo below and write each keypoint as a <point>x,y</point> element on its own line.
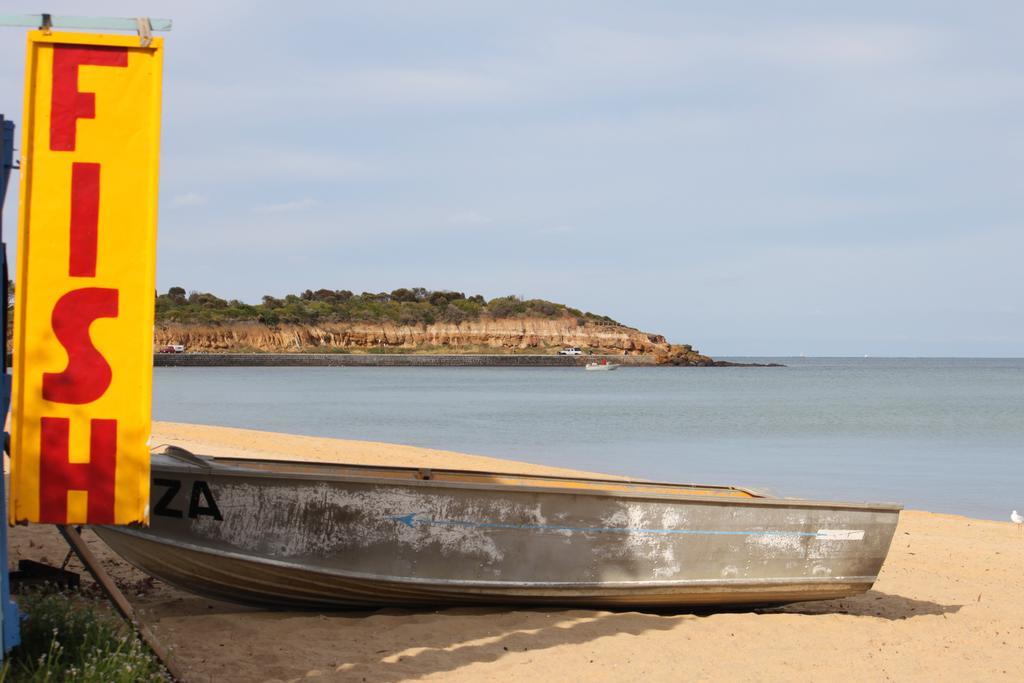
<point>570,351</point>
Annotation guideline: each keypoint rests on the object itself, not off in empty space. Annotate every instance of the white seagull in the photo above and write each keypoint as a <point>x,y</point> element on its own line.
<point>1017,519</point>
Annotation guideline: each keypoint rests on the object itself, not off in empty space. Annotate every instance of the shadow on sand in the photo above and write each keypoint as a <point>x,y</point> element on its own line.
<point>485,635</point>
<point>871,604</point>
<point>398,644</point>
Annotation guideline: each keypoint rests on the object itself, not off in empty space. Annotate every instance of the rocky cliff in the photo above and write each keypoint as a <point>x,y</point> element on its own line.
<point>537,335</point>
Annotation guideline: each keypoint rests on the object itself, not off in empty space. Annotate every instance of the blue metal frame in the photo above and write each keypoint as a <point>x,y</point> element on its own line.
<point>10,619</point>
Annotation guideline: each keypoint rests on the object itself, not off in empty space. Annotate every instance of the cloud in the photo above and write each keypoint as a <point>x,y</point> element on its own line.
<point>408,85</point>
<point>188,199</point>
<point>288,207</point>
<point>557,230</point>
<point>231,163</point>
<point>314,90</point>
<point>830,46</point>
<point>469,218</point>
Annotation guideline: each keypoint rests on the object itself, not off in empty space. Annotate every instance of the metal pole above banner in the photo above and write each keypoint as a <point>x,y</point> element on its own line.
<point>45,21</point>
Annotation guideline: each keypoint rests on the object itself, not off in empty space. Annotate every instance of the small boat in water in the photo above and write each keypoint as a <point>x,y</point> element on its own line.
<point>603,365</point>
<point>321,536</point>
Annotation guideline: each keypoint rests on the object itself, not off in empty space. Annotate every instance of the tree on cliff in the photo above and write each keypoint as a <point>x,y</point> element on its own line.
<point>405,306</point>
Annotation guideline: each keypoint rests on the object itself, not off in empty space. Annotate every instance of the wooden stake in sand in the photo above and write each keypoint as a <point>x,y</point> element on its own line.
<point>120,602</point>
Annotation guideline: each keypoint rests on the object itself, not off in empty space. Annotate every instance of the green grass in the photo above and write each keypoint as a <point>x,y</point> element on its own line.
<point>72,638</point>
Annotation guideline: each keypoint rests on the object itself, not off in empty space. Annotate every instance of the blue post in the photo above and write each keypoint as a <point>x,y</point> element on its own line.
<point>10,632</point>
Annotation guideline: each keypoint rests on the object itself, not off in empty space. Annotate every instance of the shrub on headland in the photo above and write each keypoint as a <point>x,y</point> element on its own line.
<point>403,306</point>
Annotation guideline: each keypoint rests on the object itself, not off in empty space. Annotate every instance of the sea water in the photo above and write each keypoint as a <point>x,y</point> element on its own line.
<point>944,435</point>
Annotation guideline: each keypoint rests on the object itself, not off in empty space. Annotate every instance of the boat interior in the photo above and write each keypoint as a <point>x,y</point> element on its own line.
<point>339,470</point>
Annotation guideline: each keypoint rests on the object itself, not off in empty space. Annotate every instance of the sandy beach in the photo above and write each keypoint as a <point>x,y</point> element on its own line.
<point>949,605</point>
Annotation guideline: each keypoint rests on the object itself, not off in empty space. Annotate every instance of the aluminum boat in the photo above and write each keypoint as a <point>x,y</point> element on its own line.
<point>337,536</point>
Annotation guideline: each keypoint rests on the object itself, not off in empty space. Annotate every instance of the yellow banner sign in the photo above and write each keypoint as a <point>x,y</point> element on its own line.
<point>83,327</point>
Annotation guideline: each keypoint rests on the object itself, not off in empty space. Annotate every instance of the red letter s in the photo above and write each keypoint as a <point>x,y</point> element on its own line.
<point>87,374</point>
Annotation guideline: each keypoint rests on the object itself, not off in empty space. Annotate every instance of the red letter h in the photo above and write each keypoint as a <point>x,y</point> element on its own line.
<point>57,476</point>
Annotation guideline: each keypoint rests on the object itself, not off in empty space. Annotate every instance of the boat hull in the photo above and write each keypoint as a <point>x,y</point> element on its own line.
<point>319,536</point>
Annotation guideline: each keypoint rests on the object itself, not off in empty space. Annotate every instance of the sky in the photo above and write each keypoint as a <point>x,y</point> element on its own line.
<point>753,178</point>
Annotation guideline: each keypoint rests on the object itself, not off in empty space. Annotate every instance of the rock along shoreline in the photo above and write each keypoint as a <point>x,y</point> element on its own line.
<point>185,360</point>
